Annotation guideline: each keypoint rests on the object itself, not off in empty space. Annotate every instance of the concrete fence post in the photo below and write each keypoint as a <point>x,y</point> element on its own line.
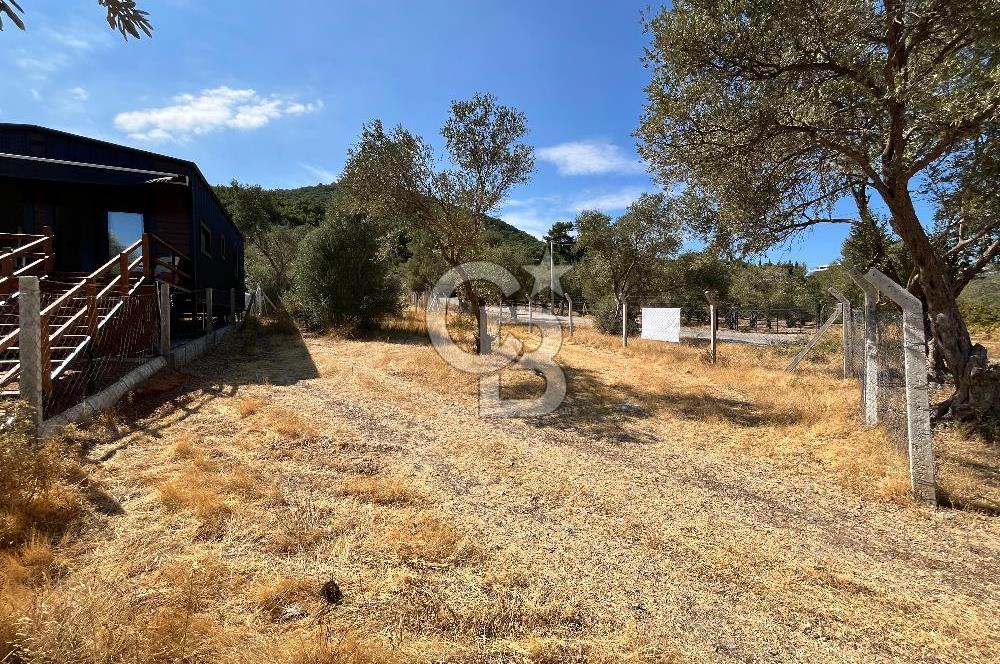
<point>713,337</point>
<point>624,323</point>
<point>713,323</point>
<point>918,412</point>
<point>869,387</point>
<point>485,347</point>
<point>847,323</point>
<point>165,319</point>
<point>209,311</point>
<point>29,343</point>
<point>569,299</point>
<point>529,313</point>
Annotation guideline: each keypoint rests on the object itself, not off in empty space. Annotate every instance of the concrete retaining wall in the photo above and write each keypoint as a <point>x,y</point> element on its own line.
<point>107,398</point>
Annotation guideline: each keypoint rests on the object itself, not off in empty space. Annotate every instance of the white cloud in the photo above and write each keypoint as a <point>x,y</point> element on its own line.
<point>209,111</point>
<point>76,39</point>
<point>589,158</point>
<point>79,94</point>
<point>611,201</point>
<point>325,176</point>
<point>537,214</point>
<point>43,65</point>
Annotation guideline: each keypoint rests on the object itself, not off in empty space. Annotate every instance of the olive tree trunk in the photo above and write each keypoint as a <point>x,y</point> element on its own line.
<point>977,393</point>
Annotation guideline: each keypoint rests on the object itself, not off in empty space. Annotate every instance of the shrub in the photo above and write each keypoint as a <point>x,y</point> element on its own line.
<point>344,278</point>
<point>608,316</point>
<point>34,492</point>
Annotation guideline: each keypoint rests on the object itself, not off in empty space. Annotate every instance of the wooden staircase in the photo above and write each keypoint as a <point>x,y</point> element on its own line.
<point>75,307</point>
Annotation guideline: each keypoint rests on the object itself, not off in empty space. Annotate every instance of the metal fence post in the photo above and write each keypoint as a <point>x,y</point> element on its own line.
<point>29,342</point>
<point>847,323</point>
<point>869,388</point>
<point>232,306</point>
<point>918,412</point>
<point>529,313</point>
<point>165,319</point>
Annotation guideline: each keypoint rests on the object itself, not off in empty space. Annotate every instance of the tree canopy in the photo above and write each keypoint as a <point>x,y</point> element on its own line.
<point>629,252</point>
<point>774,110</point>
<point>394,174</point>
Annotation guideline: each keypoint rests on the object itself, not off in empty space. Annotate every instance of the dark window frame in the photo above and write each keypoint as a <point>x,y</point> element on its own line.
<point>205,237</point>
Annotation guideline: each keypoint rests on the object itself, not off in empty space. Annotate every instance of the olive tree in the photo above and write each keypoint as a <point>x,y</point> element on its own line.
<point>628,254</point>
<point>776,109</point>
<point>394,174</point>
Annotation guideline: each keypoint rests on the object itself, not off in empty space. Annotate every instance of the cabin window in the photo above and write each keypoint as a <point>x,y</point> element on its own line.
<point>206,240</point>
<point>222,246</point>
<point>124,230</point>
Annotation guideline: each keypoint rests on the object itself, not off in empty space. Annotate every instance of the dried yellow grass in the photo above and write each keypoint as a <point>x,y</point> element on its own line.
<point>380,490</point>
<point>740,514</point>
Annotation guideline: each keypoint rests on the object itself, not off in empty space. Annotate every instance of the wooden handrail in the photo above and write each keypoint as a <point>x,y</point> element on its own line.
<point>16,253</point>
<point>174,250</point>
<point>93,275</point>
<point>18,236</point>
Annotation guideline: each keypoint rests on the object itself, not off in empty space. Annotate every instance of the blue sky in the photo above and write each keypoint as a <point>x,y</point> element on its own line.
<point>276,92</point>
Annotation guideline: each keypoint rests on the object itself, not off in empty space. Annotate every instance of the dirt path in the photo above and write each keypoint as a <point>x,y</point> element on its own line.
<point>705,524</point>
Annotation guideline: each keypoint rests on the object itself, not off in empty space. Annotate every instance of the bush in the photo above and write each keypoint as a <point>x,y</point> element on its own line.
<point>343,278</point>
<point>608,316</point>
<point>35,492</point>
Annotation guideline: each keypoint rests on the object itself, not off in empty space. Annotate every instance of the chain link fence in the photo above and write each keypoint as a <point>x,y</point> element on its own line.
<point>890,375</point>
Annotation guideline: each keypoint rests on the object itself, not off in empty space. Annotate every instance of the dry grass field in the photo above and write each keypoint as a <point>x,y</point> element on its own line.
<point>670,511</point>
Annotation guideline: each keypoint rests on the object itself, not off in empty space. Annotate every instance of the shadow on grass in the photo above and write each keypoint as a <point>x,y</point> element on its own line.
<point>256,355</point>
<point>599,410</point>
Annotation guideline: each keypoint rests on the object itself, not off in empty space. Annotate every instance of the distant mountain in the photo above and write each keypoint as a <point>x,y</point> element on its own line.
<point>314,195</point>
<point>306,204</point>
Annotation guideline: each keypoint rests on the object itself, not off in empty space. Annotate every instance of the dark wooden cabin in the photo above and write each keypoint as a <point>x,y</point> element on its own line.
<point>102,225</point>
<point>97,197</point>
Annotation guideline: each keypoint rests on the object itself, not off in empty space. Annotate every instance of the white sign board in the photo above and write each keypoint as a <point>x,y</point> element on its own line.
<point>661,324</point>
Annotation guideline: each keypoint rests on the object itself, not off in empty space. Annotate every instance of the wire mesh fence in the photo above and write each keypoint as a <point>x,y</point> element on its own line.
<point>93,347</point>
<point>890,378</point>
